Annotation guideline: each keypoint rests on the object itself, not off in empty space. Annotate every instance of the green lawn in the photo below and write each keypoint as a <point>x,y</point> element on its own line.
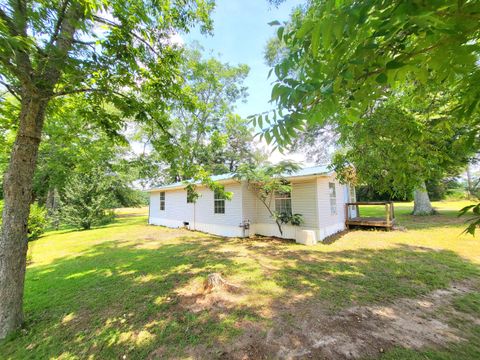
<point>133,291</point>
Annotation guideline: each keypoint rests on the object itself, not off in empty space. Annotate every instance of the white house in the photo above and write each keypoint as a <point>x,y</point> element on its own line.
<point>316,195</point>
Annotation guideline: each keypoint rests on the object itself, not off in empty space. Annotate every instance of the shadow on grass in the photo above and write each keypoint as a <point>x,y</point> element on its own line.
<point>119,299</point>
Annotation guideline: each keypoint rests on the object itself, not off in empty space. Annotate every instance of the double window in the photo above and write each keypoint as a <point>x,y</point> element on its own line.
<point>218,202</point>
<point>162,200</point>
<point>333,198</point>
<point>283,203</point>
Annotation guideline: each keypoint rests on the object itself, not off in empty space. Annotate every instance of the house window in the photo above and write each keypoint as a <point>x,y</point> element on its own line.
<point>162,200</point>
<point>283,203</point>
<point>333,198</point>
<point>218,202</point>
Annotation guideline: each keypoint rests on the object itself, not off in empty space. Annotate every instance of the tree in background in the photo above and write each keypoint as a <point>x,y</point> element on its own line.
<point>87,198</point>
<point>397,151</point>
<point>105,49</point>
<point>204,129</point>
<point>37,220</point>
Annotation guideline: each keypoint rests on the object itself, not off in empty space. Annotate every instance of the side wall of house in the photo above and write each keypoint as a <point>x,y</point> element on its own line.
<point>200,215</point>
<point>330,223</point>
<point>227,224</point>
<point>177,210</point>
<point>304,194</point>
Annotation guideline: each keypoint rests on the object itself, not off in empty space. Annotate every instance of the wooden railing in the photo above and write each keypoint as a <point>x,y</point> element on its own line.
<point>387,222</point>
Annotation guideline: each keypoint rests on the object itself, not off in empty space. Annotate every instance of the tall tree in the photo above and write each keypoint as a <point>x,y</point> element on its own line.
<point>401,145</point>
<point>55,48</point>
<point>204,129</point>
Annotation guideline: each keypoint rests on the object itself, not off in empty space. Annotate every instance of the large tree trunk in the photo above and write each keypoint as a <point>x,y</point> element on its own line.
<point>422,205</point>
<point>17,189</point>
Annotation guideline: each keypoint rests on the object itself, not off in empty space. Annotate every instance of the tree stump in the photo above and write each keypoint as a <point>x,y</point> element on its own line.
<point>215,281</point>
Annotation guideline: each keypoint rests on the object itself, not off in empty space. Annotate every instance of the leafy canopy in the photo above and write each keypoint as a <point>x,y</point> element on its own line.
<point>337,58</point>
<point>203,129</point>
<point>405,141</point>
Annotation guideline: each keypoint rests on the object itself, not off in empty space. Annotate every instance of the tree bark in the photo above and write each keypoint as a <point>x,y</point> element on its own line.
<point>17,187</point>
<point>422,205</point>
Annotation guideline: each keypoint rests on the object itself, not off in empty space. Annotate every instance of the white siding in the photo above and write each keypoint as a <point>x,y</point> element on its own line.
<point>329,223</point>
<point>249,204</point>
<point>176,209</point>
<point>309,198</point>
<point>304,195</point>
<point>200,215</point>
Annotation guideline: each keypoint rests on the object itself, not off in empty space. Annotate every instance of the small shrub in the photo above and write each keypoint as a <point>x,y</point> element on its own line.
<point>287,218</point>
<point>296,219</point>
<point>37,220</point>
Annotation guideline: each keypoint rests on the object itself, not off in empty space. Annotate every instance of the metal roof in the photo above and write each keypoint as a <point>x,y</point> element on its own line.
<point>307,171</point>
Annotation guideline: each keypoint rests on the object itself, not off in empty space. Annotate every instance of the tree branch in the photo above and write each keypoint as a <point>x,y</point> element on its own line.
<point>58,24</point>
<point>86,90</point>
<point>11,90</point>
<point>138,37</point>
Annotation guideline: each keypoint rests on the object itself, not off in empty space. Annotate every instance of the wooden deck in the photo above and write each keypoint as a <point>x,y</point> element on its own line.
<point>357,220</point>
<point>370,221</point>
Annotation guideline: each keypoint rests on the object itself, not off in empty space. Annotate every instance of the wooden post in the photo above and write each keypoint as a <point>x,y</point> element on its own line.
<point>387,213</point>
<point>346,216</point>
<point>358,211</point>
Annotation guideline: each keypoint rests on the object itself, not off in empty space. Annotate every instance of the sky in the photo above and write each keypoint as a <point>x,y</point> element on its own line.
<point>240,34</point>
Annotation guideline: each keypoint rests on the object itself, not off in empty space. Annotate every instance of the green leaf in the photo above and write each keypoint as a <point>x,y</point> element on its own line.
<point>268,137</point>
<point>315,40</point>
<point>381,78</point>
<point>274,23</point>
<point>394,64</point>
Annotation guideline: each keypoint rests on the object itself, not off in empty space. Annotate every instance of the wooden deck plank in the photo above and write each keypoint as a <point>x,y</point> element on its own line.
<point>370,221</point>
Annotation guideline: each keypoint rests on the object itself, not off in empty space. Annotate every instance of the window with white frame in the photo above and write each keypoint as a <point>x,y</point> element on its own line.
<point>162,200</point>
<point>218,202</point>
<point>283,203</point>
<point>333,198</point>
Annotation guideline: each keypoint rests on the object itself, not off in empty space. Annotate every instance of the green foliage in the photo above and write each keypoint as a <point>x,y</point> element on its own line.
<point>86,200</point>
<point>287,218</point>
<point>474,220</point>
<point>402,143</point>
<point>341,57</point>
<point>204,131</point>
<point>297,219</point>
<point>37,220</point>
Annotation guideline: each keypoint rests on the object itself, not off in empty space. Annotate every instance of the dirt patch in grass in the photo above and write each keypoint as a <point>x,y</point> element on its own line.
<point>367,331</point>
<point>303,329</point>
